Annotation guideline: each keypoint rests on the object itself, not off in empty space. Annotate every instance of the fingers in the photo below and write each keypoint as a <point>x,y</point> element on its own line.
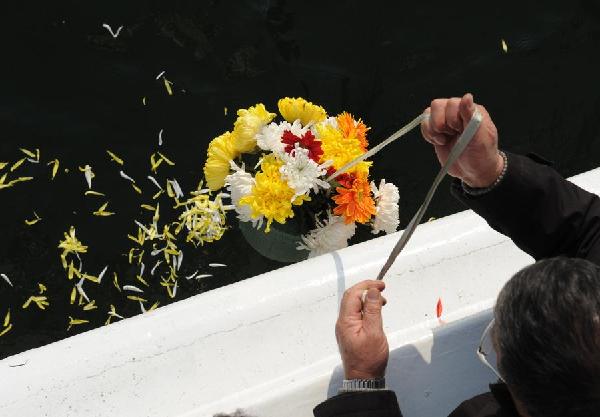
<point>447,118</point>
<point>351,304</point>
<point>453,119</point>
<point>434,129</point>
<point>372,320</point>
<point>466,108</point>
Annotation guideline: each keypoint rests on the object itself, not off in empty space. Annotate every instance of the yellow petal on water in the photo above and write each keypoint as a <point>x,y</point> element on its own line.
<point>148,207</point>
<point>91,192</point>
<point>114,157</point>
<point>90,306</point>
<point>26,304</point>
<point>167,160</point>
<point>116,281</point>
<point>102,211</point>
<point>154,306</point>
<point>7,318</point>
<point>34,220</point>
<point>225,110</point>
<point>55,164</point>
<point>504,46</point>
<point>74,322</point>
<point>158,194</point>
<point>12,182</point>
<point>3,332</point>
<point>73,295</point>
<point>90,278</point>
<point>170,191</point>
<point>17,164</point>
<point>42,288</point>
<point>136,188</point>
<point>142,280</point>
<point>41,301</point>
<point>168,85</point>
<point>136,298</point>
<point>144,101</point>
<point>28,153</point>
<point>3,165</point>
<point>155,163</point>
<point>72,271</point>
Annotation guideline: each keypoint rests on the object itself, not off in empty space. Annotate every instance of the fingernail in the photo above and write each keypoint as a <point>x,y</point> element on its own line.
<point>373,294</point>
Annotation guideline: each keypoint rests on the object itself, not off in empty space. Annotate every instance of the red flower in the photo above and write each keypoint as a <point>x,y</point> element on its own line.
<point>306,141</point>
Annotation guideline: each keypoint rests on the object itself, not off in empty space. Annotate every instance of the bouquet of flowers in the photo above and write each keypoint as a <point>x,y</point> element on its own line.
<point>288,171</point>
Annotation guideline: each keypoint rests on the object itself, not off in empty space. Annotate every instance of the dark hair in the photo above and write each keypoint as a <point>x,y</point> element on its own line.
<point>548,334</point>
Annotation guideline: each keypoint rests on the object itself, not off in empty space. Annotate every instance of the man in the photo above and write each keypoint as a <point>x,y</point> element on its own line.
<point>546,328</point>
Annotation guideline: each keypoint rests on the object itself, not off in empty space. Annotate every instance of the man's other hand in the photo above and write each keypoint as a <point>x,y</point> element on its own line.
<point>480,163</point>
<point>359,332</point>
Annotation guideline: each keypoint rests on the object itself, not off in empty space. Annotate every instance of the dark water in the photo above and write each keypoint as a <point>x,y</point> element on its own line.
<point>72,90</point>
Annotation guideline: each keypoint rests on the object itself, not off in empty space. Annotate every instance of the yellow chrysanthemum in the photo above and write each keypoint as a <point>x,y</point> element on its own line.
<point>220,151</point>
<point>248,124</point>
<point>271,196</point>
<point>341,149</point>
<point>299,109</point>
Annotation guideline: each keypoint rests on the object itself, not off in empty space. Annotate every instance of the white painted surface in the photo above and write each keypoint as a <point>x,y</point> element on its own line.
<point>267,345</point>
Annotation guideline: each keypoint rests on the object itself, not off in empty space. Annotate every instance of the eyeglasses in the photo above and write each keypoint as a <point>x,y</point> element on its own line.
<point>486,350</point>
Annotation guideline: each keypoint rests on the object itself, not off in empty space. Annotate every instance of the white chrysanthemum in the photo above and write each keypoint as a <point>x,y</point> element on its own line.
<point>302,173</point>
<point>239,184</point>
<point>331,234</point>
<point>269,137</point>
<point>386,199</point>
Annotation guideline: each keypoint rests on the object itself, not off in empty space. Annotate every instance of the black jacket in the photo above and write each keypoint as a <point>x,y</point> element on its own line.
<point>545,216</point>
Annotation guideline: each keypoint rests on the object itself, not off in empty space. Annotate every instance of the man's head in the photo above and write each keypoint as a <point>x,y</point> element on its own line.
<point>548,335</point>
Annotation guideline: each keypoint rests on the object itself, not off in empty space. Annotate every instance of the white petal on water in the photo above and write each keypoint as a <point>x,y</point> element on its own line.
<point>80,290</point>
<point>154,267</point>
<point>179,259</point>
<point>142,269</point>
<point>127,177</point>
<point>33,161</point>
<point>112,33</point>
<point>216,265</point>
<point>175,289</point>
<point>203,276</point>
<point>161,130</point>
<point>88,175</point>
<point>5,278</point>
<point>142,307</point>
<point>144,228</point>
<point>192,276</point>
<point>151,178</point>
<point>156,252</point>
<point>132,288</point>
<point>101,274</point>
<point>176,188</point>
<point>160,75</point>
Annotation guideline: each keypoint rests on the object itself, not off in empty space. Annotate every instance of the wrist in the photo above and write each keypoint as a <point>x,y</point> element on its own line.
<point>363,375</point>
<point>487,177</point>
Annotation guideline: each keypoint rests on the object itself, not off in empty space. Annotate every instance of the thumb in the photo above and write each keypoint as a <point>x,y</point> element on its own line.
<point>372,320</point>
<point>466,108</point>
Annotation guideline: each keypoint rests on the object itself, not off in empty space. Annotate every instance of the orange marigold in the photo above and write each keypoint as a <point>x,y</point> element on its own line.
<point>353,128</point>
<point>354,201</point>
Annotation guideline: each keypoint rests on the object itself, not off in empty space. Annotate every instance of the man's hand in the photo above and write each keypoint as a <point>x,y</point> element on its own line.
<point>359,332</point>
<point>480,163</point>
